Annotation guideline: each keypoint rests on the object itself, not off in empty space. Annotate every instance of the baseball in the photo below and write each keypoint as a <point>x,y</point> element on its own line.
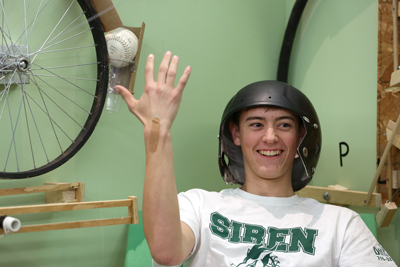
<point>122,45</point>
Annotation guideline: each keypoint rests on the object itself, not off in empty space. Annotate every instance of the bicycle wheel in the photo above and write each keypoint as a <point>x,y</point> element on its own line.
<point>53,83</point>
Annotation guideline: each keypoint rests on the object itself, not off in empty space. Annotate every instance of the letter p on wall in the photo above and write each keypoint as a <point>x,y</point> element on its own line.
<point>341,153</point>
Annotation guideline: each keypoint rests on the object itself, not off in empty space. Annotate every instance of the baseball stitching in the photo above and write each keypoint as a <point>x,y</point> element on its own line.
<point>125,44</point>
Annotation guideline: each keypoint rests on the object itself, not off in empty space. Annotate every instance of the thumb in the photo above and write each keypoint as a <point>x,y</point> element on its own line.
<point>127,96</point>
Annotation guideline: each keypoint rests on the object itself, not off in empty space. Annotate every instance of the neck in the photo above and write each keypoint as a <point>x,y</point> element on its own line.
<point>268,188</point>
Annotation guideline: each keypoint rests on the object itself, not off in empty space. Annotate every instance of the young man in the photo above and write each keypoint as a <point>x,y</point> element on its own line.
<point>271,137</point>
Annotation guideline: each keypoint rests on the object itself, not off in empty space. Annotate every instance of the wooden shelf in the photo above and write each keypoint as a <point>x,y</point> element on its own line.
<point>131,203</point>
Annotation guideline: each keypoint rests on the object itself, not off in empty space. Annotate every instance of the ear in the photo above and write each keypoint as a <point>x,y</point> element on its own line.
<point>235,133</point>
<point>302,133</point>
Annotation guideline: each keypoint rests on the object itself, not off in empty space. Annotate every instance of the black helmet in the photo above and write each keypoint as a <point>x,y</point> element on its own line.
<point>278,94</point>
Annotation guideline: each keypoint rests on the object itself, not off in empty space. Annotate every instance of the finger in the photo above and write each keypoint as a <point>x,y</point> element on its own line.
<point>149,70</point>
<point>170,81</point>
<point>162,70</point>
<point>184,79</point>
<point>126,96</point>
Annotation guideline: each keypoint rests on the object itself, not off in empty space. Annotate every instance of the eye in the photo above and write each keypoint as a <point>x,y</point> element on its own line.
<point>285,125</point>
<point>256,125</point>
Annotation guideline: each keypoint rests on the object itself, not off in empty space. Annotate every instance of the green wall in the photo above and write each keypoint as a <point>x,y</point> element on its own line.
<point>229,44</point>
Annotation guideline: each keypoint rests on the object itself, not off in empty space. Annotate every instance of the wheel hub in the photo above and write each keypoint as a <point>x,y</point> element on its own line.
<point>14,59</point>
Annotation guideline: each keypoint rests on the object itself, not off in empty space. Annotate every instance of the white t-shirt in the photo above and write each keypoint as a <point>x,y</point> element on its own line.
<point>234,228</point>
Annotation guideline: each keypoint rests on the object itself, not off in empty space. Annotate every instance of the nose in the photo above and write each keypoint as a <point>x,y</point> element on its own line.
<point>270,135</point>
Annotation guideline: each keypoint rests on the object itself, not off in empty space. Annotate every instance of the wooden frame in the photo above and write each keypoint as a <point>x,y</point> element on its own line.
<point>387,92</point>
<point>110,20</point>
<point>131,203</point>
<point>77,186</point>
<point>340,196</point>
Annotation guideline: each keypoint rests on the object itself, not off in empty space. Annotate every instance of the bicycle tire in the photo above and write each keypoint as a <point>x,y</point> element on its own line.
<point>38,79</point>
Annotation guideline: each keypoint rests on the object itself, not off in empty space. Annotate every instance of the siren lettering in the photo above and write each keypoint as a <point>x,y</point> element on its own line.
<point>274,239</point>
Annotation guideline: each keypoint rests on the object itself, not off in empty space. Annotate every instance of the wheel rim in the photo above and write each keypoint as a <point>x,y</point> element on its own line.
<point>53,83</point>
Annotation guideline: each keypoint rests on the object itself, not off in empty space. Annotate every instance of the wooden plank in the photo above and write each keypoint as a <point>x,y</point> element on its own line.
<point>385,216</point>
<point>65,207</point>
<point>139,32</point>
<point>71,225</point>
<point>381,164</point>
<point>38,189</point>
<point>395,34</point>
<point>389,168</point>
<point>395,79</point>
<point>59,196</point>
<point>340,197</point>
<point>134,210</point>
<point>80,192</point>
<point>389,130</point>
<point>108,14</point>
<point>387,99</point>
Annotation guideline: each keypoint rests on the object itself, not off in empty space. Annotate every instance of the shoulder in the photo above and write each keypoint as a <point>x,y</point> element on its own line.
<point>202,192</point>
<point>197,194</point>
<point>329,210</point>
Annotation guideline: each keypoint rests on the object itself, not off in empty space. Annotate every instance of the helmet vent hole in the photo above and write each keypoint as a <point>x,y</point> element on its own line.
<point>226,159</point>
<point>318,149</point>
<point>269,97</point>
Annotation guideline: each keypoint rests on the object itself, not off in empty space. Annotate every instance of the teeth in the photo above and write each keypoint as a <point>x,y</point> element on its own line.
<point>270,153</point>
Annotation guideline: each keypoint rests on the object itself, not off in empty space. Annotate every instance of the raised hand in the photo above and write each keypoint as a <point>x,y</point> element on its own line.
<point>157,109</point>
<point>160,98</point>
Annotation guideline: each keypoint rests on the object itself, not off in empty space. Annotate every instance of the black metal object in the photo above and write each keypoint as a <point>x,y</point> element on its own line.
<point>287,43</point>
<point>2,218</point>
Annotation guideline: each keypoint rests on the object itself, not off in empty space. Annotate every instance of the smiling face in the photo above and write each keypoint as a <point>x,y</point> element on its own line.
<point>268,137</point>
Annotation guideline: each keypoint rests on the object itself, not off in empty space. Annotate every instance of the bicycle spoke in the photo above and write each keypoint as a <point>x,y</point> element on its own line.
<point>64,31</point>
<point>66,49</point>
<point>34,20</point>
<point>8,34</point>
<point>29,133</point>
<point>64,40</point>
<point>58,76</point>
<point>3,93</point>
<point>68,66</point>
<point>13,133</point>
<point>3,34</point>
<point>37,129</point>
<point>53,82</point>
<point>24,26</point>
<point>88,112</point>
<point>49,117</point>
<point>65,77</point>
<point>55,27</point>
<point>47,112</point>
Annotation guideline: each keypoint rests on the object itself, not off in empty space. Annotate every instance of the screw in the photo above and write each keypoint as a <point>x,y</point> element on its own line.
<point>305,152</point>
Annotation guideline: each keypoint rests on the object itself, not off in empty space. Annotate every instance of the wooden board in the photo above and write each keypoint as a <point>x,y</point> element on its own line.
<point>131,203</point>
<point>38,189</point>
<point>28,209</point>
<point>339,196</point>
<point>110,20</point>
<point>388,102</point>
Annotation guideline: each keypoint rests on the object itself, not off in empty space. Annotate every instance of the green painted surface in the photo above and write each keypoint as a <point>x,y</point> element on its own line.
<point>229,44</point>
